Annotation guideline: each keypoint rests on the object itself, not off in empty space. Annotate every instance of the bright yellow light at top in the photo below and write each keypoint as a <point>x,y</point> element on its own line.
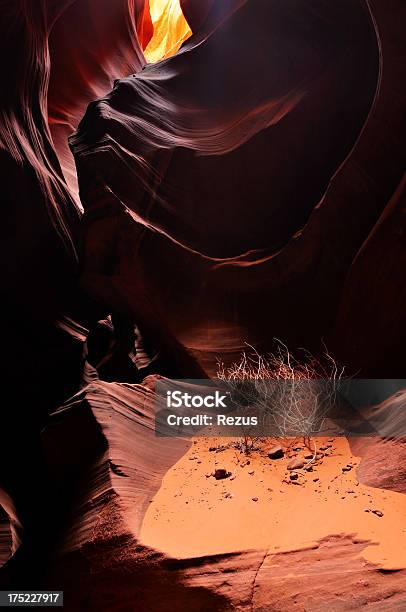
<point>170,29</point>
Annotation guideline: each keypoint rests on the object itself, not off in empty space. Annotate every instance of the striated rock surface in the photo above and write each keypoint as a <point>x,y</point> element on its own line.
<point>384,455</point>
<point>114,468</point>
<point>102,447</point>
<point>312,268</point>
<point>331,575</point>
<point>261,187</point>
<point>40,217</point>
<point>261,169</point>
<point>108,42</point>
<point>382,464</point>
<point>105,465</point>
<point>220,166</point>
<point>49,75</point>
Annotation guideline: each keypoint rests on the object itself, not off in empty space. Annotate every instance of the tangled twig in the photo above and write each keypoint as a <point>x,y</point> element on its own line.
<point>293,395</point>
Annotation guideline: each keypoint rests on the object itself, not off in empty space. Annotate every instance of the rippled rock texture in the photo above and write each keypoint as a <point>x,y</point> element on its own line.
<point>112,487</point>
<point>222,152</point>
<point>259,171</point>
<point>261,167</point>
<point>383,457</point>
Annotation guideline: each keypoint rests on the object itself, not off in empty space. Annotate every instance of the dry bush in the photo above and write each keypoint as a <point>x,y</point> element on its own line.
<point>291,396</point>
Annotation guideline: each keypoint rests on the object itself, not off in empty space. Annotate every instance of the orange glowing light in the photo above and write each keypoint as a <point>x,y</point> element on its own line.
<point>170,29</point>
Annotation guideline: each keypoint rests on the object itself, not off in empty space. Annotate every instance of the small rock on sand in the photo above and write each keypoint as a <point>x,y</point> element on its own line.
<point>254,498</point>
<point>295,464</point>
<point>276,452</point>
<point>221,473</point>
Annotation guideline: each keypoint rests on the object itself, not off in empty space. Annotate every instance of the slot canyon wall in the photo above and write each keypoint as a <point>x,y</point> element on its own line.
<point>262,190</point>
<point>271,194</point>
<point>261,173</point>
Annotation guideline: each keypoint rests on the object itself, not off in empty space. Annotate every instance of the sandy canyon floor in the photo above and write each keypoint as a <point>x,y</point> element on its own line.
<point>263,505</point>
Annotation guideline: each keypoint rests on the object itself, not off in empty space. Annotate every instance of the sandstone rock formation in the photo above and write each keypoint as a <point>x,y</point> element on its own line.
<point>260,169</point>
<point>383,456</point>
<point>112,487</point>
<point>180,135</point>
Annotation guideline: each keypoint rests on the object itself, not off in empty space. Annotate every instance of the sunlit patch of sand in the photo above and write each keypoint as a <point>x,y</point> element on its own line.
<point>194,515</point>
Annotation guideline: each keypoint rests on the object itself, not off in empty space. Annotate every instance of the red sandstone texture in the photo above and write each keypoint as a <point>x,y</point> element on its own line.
<point>106,545</point>
<point>182,135</point>
<point>260,173</point>
<point>312,152</point>
<point>383,457</point>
